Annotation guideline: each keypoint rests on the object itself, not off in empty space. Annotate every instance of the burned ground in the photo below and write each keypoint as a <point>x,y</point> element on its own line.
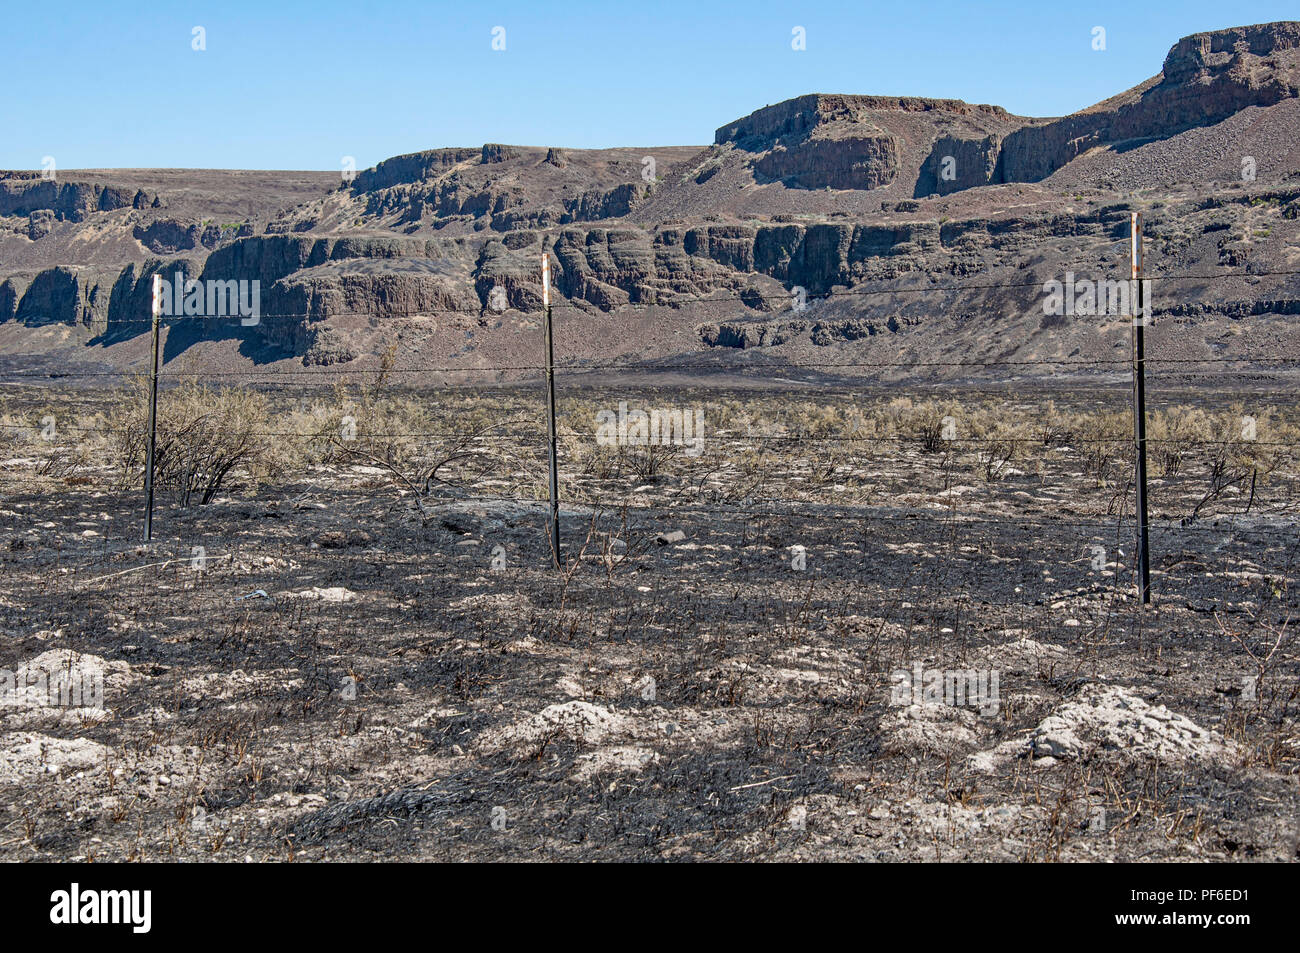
<point>342,673</point>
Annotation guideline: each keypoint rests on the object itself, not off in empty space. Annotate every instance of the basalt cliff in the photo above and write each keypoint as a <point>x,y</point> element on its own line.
<point>825,230</point>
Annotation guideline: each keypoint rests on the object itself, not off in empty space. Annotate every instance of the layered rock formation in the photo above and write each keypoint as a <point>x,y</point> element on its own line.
<point>867,142</point>
<point>879,197</point>
<point>1207,77</point>
<point>28,193</point>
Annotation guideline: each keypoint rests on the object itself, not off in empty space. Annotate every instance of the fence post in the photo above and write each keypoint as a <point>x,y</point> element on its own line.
<point>1141,307</point>
<point>554,526</point>
<point>153,412</point>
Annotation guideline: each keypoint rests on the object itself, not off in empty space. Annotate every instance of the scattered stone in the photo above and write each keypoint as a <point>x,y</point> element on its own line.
<point>928,729</point>
<point>1113,719</point>
<point>27,755</point>
<point>619,759</point>
<point>573,720</point>
<point>331,594</point>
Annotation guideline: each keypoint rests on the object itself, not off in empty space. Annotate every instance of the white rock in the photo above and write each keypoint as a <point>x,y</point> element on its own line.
<point>331,594</point>
<point>1115,719</point>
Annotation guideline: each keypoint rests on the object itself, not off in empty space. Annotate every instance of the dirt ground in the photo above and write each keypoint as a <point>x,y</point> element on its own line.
<point>339,673</point>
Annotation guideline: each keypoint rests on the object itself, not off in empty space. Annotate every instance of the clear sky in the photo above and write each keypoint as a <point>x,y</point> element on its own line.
<point>284,84</point>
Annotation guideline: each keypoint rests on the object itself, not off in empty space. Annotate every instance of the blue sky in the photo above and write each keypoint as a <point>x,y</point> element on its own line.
<point>297,85</point>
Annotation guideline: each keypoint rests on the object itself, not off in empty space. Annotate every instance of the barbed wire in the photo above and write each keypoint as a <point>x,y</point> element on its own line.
<point>804,512</point>
<point>948,517</point>
<point>718,437</point>
<point>272,375</point>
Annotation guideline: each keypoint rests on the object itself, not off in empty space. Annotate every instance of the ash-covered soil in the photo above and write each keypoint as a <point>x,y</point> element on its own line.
<point>340,675</point>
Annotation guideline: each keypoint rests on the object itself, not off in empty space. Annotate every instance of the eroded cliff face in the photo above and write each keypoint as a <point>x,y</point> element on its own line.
<point>502,188</point>
<point>817,194</point>
<point>416,167</point>
<point>607,268</point>
<point>803,115</point>
<point>942,146</point>
<point>672,266</point>
<point>870,142</point>
<point>1206,78</point>
<point>28,193</point>
<point>62,295</point>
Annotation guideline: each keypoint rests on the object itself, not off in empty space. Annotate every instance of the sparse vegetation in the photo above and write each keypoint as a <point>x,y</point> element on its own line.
<point>409,562</point>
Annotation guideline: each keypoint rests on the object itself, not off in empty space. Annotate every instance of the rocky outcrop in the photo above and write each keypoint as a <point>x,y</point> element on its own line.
<point>858,162</point>
<point>130,300</point>
<point>39,224</point>
<point>268,258</point>
<point>321,293</point>
<point>612,267</point>
<point>799,117</point>
<point>54,297</point>
<point>312,279</point>
<point>447,198</point>
<point>62,296</point>
<point>73,201</point>
<point>512,275</point>
<point>296,307</point>
<point>606,267</point>
<point>328,347</point>
<point>955,164</point>
<point>495,152</point>
<point>672,226</point>
<point>415,167</point>
<point>508,188</point>
<point>750,334</point>
<point>867,142</point>
<point>1206,78</point>
<point>169,236</point>
<point>595,205</point>
<point>505,206</point>
<point>11,292</point>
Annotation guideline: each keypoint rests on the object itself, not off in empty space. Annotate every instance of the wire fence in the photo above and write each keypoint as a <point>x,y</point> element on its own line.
<point>1277,525</point>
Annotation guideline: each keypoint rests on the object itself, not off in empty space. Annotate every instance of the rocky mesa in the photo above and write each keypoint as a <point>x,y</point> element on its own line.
<point>917,226</point>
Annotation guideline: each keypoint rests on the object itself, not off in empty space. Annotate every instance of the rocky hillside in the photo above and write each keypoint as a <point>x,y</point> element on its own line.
<point>877,210</point>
